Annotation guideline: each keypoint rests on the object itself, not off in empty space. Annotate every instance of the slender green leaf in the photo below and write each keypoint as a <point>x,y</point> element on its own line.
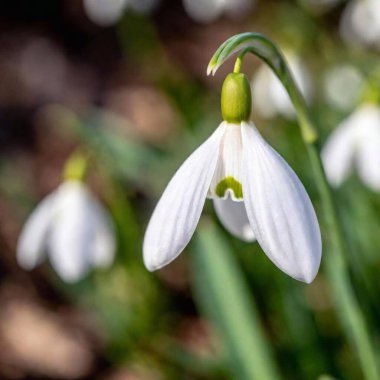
<point>223,294</point>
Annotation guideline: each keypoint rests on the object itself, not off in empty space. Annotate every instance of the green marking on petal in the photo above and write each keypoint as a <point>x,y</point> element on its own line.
<point>229,183</point>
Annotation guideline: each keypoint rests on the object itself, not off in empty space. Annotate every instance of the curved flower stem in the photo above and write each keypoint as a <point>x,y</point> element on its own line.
<point>346,301</point>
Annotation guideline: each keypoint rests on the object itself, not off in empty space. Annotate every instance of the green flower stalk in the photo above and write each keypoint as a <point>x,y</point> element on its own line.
<point>346,302</point>
<point>76,166</point>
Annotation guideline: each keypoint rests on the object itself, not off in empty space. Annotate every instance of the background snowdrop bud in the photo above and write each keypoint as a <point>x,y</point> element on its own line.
<point>236,102</point>
<point>70,226</point>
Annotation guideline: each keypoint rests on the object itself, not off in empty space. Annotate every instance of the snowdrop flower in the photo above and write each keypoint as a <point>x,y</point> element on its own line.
<point>205,11</point>
<point>269,96</point>
<point>360,22</point>
<point>356,142</point>
<point>72,228</point>
<point>255,193</point>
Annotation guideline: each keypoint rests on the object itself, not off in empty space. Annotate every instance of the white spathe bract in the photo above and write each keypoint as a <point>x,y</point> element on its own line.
<point>355,142</point>
<point>255,194</point>
<point>360,23</point>
<point>72,228</point>
<point>269,96</point>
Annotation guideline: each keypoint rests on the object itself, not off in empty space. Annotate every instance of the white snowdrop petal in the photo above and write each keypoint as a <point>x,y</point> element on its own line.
<point>104,244</point>
<point>233,217</point>
<point>279,209</point>
<point>178,211</point>
<point>31,243</point>
<point>72,235</point>
<point>226,181</point>
<point>368,162</point>
<point>368,142</point>
<point>338,153</point>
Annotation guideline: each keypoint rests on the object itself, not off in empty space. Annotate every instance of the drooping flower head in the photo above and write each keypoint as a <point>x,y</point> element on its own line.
<point>255,193</point>
<point>71,227</point>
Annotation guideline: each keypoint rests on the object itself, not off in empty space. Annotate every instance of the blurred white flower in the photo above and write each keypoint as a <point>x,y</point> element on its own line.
<point>360,23</point>
<point>109,12</point>
<point>268,94</point>
<point>356,142</point>
<point>72,228</point>
<point>205,11</point>
<point>255,194</point>
<point>343,84</point>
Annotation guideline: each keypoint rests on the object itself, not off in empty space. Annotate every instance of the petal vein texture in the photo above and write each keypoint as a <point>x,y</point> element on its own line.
<point>178,211</point>
<point>279,209</point>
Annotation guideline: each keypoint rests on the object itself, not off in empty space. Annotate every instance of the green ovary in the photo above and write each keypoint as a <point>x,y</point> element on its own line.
<point>229,183</point>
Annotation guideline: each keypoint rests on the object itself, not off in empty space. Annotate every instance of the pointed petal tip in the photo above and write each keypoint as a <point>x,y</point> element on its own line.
<point>178,211</point>
<point>151,268</point>
<point>70,275</point>
<point>309,271</point>
<point>308,281</point>
<point>152,262</point>
<point>24,261</point>
<point>309,278</point>
<point>286,226</point>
